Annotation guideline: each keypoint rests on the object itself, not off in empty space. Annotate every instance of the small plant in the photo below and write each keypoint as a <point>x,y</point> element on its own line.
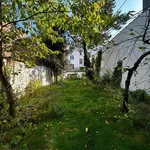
<point>25,147</point>
<point>32,86</point>
<point>106,78</point>
<point>16,140</point>
<point>82,68</point>
<point>72,76</point>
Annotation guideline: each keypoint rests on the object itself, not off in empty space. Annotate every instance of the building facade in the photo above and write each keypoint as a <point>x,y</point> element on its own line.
<point>128,46</point>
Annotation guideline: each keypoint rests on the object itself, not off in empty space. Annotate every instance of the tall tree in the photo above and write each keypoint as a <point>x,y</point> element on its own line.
<point>92,21</point>
<point>88,19</point>
<point>18,19</point>
<point>56,61</point>
<point>145,38</point>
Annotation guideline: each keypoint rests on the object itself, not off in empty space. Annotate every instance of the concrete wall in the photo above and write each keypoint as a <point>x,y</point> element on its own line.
<point>78,73</point>
<point>127,46</point>
<point>21,76</point>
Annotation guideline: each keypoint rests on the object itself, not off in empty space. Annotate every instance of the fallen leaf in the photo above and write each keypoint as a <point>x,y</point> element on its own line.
<point>86,129</point>
<point>106,122</point>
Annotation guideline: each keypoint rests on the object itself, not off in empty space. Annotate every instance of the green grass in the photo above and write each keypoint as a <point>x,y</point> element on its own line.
<point>69,108</point>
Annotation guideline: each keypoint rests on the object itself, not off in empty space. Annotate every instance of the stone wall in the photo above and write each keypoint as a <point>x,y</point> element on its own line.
<point>21,76</point>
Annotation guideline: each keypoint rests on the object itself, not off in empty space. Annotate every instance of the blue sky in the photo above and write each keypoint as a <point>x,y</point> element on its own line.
<point>130,5</point>
<point>135,5</point>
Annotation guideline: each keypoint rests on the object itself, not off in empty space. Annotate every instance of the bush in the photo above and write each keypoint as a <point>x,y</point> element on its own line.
<point>32,86</point>
<point>72,76</point>
<point>107,78</point>
<point>139,96</point>
<point>82,68</point>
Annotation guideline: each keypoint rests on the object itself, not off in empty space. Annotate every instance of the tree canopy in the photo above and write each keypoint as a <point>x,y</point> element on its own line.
<point>25,23</point>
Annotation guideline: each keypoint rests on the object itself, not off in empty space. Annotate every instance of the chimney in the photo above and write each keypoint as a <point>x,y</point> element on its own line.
<point>146,4</point>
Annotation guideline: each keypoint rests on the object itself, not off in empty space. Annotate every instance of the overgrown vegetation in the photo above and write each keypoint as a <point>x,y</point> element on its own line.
<point>75,114</point>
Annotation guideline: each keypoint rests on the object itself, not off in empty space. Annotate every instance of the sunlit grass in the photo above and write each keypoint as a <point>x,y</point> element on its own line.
<point>86,116</point>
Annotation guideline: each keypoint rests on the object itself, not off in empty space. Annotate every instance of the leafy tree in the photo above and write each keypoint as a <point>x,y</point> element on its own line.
<point>88,19</point>
<point>55,62</point>
<point>139,41</point>
<point>91,22</point>
<point>17,19</point>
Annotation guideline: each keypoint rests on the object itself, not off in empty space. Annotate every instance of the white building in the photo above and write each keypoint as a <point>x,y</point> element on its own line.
<point>76,60</point>
<point>128,46</point>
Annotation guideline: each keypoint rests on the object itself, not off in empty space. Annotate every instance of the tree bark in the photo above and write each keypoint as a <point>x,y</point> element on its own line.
<point>98,63</point>
<point>127,82</point>
<point>87,64</point>
<point>8,89</point>
<point>56,77</point>
<point>3,78</point>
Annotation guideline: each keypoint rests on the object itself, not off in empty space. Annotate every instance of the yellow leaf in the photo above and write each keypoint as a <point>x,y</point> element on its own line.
<point>106,122</point>
<point>96,5</point>
<point>86,129</point>
<point>4,121</point>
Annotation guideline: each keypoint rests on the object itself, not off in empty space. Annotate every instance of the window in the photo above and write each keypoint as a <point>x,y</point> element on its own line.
<point>80,52</point>
<point>80,61</point>
<point>71,57</point>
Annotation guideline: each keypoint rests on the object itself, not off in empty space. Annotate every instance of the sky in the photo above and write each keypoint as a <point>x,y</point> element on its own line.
<point>129,5</point>
<point>135,5</point>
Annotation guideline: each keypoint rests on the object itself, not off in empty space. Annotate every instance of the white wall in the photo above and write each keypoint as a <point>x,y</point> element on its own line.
<point>127,45</point>
<point>77,58</point>
<point>21,76</point>
<point>79,74</point>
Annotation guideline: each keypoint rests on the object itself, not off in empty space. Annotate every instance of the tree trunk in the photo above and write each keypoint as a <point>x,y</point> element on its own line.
<point>6,84</point>
<point>56,77</point>
<point>126,92</point>
<point>8,90</point>
<point>87,64</point>
<point>127,83</point>
<point>98,63</point>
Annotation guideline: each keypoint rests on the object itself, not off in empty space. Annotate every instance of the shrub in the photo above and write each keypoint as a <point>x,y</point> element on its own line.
<point>82,68</point>
<point>72,76</point>
<point>107,78</point>
<point>32,86</point>
<point>139,96</point>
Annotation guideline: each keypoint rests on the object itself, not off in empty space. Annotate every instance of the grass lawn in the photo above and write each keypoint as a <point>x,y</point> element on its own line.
<point>78,115</point>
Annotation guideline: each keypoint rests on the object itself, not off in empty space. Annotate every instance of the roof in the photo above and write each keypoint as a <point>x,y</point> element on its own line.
<point>127,24</point>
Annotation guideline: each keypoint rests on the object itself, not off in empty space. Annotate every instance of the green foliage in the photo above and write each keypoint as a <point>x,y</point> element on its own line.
<point>32,86</point>
<point>78,105</point>
<point>139,96</point>
<point>82,68</point>
<point>16,140</point>
<point>89,20</point>
<point>106,78</point>
<point>54,62</point>
<point>36,105</point>
<point>25,23</point>
<point>72,76</point>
